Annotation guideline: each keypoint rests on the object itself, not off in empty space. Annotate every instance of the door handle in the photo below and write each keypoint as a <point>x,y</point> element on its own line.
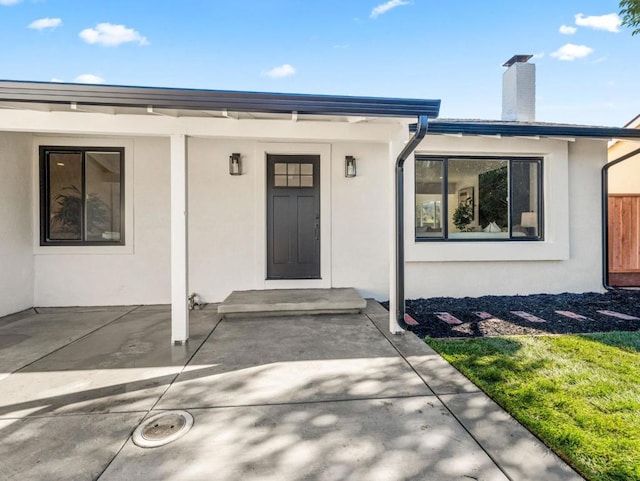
<point>317,231</point>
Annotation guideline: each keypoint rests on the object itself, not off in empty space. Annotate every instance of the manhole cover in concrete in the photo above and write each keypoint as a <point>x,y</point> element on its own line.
<point>162,429</point>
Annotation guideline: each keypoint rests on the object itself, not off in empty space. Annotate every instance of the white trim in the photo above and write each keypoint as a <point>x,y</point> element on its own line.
<point>324,151</point>
<point>129,159</point>
<point>85,123</point>
<point>555,246</point>
<point>179,240</point>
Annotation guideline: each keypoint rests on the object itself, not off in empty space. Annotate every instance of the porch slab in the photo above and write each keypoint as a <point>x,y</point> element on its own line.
<point>293,399</point>
<point>302,359</point>
<point>73,448</point>
<point>124,366</point>
<point>374,440</point>
<point>292,302</point>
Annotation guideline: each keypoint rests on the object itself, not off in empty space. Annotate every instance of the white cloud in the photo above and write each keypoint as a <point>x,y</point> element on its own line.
<point>285,70</point>
<point>88,78</point>
<point>111,35</point>
<point>538,55</point>
<point>43,23</point>
<point>56,79</point>
<point>385,7</point>
<point>9,2</point>
<point>571,51</point>
<point>567,30</point>
<point>610,22</point>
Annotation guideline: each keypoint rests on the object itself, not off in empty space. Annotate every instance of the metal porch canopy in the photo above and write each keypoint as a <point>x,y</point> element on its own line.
<point>527,129</point>
<point>199,99</point>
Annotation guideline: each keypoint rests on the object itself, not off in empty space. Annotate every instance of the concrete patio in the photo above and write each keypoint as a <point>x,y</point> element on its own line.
<point>327,397</point>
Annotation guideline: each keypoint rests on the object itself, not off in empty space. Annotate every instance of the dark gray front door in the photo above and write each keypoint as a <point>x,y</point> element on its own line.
<point>293,216</point>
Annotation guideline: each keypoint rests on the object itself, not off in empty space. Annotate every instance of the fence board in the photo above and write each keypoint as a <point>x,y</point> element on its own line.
<point>624,233</point>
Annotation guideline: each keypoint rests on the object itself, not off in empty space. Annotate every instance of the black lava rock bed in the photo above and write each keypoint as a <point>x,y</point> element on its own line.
<point>503,322</point>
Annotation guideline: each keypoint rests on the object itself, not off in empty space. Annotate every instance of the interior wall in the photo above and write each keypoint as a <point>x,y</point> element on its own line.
<point>16,255</point>
<point>138,273</point>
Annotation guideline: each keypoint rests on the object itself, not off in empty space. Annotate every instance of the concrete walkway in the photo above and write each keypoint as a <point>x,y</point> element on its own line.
<point>330,397</point>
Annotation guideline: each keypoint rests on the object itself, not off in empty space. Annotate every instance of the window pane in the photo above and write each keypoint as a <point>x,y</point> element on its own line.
<point>428,202</point>
<point>479,203</point>
<point>65,196</point>
<point>525,204</point>
<point>280,169</point>
<point>294,181</point>
<point>103,191</point>
<point>280,181</point>
<point>306,169</point>
<point>306,181</point>
<point>293,169</point>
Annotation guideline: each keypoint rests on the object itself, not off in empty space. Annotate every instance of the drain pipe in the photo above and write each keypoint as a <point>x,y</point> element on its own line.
<point>421,131</point>
<point>605,217</point>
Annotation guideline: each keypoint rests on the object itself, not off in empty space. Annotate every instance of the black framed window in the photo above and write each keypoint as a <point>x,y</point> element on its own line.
<point>478,198</point>
<point>81,196</point>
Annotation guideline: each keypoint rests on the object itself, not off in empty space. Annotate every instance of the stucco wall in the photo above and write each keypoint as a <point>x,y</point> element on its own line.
<point>226,241</point>
<point>138,273</point>
<point>360,208</point>
<point>226,226</point>
<point>576,270</point>
<point>624,178</point>
<point>16,255</point>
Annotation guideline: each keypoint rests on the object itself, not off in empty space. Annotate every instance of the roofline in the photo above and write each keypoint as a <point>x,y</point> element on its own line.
<point>520,129</point>
<point>198,99</point>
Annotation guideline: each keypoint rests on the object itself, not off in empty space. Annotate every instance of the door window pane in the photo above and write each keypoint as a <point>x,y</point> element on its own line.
<point>293,174</point>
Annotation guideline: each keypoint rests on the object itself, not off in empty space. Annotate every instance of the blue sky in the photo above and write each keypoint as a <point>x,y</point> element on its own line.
<point>587,66</point>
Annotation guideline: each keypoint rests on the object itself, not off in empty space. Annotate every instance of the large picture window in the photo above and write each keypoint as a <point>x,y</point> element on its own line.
<point>478,198</point>
<point>81,196</point>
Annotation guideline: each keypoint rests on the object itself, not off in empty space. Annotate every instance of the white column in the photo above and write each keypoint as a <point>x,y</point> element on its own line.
<point>395,147</point>
<point>179,241</point>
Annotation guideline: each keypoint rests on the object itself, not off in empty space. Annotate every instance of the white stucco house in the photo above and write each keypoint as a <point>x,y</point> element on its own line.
<point>116,195</point>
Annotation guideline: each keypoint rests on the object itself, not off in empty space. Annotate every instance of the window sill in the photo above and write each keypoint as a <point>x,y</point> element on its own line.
<point>83,249</point>
<point>465,250</point>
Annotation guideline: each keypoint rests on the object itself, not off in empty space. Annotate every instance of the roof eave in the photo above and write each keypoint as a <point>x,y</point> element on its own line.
<point>195,99</point>
<point>517,129</point>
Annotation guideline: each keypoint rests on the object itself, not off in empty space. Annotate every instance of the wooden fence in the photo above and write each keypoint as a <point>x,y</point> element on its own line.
<point>624,240</point>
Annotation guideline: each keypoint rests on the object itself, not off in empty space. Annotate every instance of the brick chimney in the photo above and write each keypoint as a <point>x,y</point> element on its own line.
<point>519,89</point>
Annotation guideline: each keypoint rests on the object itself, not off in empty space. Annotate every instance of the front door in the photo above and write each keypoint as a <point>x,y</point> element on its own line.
<point>293,216</point>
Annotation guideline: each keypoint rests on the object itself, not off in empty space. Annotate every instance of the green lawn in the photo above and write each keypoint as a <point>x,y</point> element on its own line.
<point>579,394</point>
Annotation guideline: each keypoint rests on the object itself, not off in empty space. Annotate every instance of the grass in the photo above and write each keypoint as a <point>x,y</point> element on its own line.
<point>580,394</point>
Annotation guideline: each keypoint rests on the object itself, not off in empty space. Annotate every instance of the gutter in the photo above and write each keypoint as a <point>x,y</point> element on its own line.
<point>605,217</point>
<point>421,131</point>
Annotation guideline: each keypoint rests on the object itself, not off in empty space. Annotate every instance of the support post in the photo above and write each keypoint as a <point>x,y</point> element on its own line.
<point>179,241</point>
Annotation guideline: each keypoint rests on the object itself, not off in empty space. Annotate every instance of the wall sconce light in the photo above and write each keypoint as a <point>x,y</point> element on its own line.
<point>235,164</point>
<point>349,166</point>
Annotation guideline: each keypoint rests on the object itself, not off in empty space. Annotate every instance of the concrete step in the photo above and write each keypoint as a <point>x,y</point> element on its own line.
<point>283,302</point>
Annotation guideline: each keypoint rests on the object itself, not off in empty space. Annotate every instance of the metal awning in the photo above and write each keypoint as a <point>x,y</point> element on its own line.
<point>527,129</point>
<point>213,100</point>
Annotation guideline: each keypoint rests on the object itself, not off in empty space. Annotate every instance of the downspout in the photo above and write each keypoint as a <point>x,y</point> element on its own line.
<point>421,131</point>
<point>605,216</point>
